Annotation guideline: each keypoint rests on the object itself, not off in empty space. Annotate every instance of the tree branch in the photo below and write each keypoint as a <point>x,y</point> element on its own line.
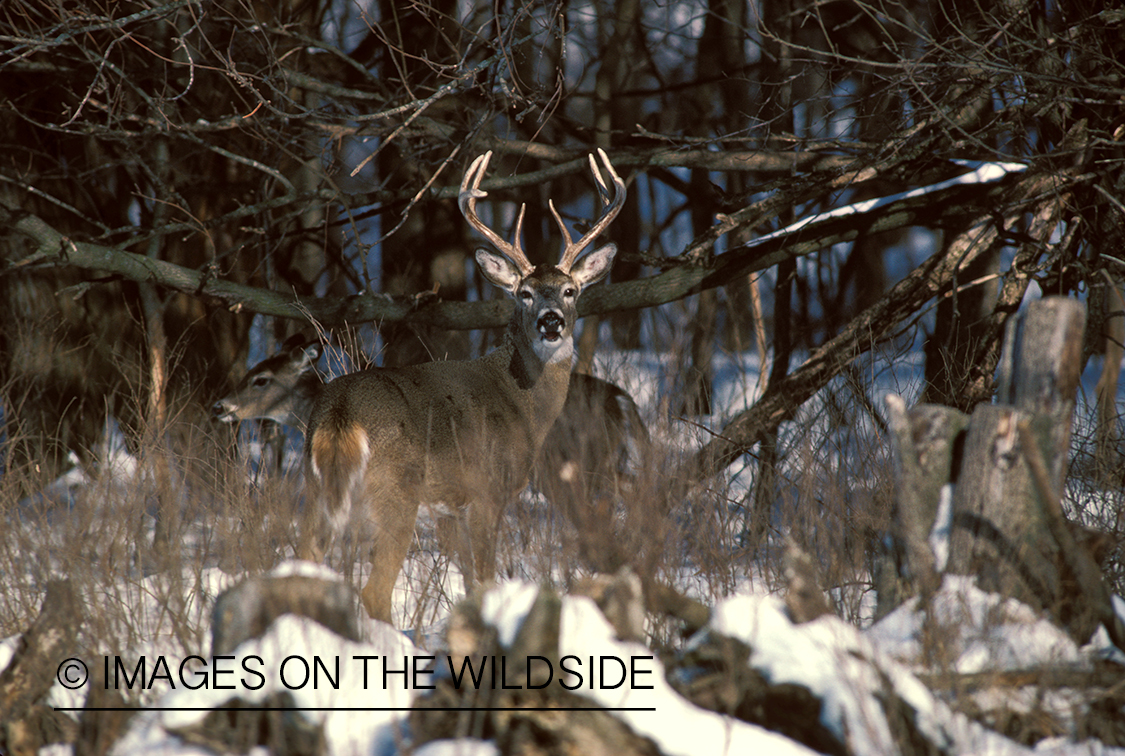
<point>867,329</point>
<point>686,278</point>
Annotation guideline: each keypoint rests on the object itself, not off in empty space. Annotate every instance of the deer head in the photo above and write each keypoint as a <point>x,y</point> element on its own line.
<point>547,295</point>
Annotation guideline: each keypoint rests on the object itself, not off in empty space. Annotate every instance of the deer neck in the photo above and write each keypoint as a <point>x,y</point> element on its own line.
<point>542,386</point>
<point>305,393</point>
<point>532,366</point>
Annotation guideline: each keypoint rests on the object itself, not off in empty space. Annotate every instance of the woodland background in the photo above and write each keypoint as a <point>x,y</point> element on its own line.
<point>171,170</point>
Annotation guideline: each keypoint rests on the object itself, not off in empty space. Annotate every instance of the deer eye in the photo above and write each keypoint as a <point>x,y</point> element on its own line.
<point>570,291</point>
<point>260,381</point>
<point>526,295</point>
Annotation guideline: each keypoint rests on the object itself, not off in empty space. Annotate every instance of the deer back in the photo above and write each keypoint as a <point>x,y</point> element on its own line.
<point>598,430</point>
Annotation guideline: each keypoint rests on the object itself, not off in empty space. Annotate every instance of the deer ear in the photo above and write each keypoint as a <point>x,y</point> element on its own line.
<point>594,266</point>
<point>499,270</point>
<point>311,355</point>
<point>302,350</point>
<point>305,356</point>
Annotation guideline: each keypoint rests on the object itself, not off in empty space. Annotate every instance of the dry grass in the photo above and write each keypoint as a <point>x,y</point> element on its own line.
<point>832,493</point>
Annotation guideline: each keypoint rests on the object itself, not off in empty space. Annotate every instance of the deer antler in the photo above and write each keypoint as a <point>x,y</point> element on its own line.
<point>613,207</point>
<point>467,201</point>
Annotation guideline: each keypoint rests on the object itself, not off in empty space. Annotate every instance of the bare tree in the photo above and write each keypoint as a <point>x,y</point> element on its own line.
<point>173,168</point>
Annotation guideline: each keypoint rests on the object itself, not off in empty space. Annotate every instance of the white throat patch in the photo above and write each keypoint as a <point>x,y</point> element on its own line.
<point>550,353</point>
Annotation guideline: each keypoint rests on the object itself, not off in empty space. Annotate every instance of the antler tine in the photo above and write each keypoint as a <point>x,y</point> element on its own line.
<point>521,262</point>
<point>613,207</point>
<point>603,187</point>
<point>562,226</point>
<point>467,201</point>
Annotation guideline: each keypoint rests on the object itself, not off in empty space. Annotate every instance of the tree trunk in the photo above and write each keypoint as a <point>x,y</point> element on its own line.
<point>614,117</point>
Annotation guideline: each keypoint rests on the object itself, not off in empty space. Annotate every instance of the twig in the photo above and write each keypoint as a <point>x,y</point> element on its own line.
<point>1080,564</point>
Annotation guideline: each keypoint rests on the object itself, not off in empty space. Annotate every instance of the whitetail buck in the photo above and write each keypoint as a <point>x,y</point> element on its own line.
<point>459,436</point>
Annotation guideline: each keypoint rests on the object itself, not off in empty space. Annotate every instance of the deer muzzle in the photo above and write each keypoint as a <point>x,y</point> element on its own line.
<point>551,325</point>
<point>222,413</point>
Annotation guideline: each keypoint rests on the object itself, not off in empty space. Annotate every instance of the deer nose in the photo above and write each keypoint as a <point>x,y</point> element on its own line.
<point>550,325</point>
<point>218,409</point>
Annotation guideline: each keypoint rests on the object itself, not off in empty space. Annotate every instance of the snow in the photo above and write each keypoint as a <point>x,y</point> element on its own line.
<point>338,682</point>
<point>459,747</point>
<point>675,725</point>
<point>983,173</point>
<point>843,668</point>
<point>848,669</point>
<point>942,531</point>
<point>980,632</point>
<point>506,607</point>
<point>353,713</point>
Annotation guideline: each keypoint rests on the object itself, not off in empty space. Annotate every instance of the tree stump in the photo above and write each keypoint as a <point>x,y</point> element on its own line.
<point>1007,525</point>
<point>26,724</point>
<point>1001,532</point>
<point>926,441</point>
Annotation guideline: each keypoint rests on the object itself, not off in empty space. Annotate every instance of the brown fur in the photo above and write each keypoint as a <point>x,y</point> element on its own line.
<point>583,466</point>
<point>460,436</point>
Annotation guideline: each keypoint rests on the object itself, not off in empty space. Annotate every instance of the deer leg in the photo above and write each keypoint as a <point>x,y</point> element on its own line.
<point>394,532</point>
<point>469,538</point>
<point>321,536</point>
<point>483,523</point>
<point>312,544</point>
